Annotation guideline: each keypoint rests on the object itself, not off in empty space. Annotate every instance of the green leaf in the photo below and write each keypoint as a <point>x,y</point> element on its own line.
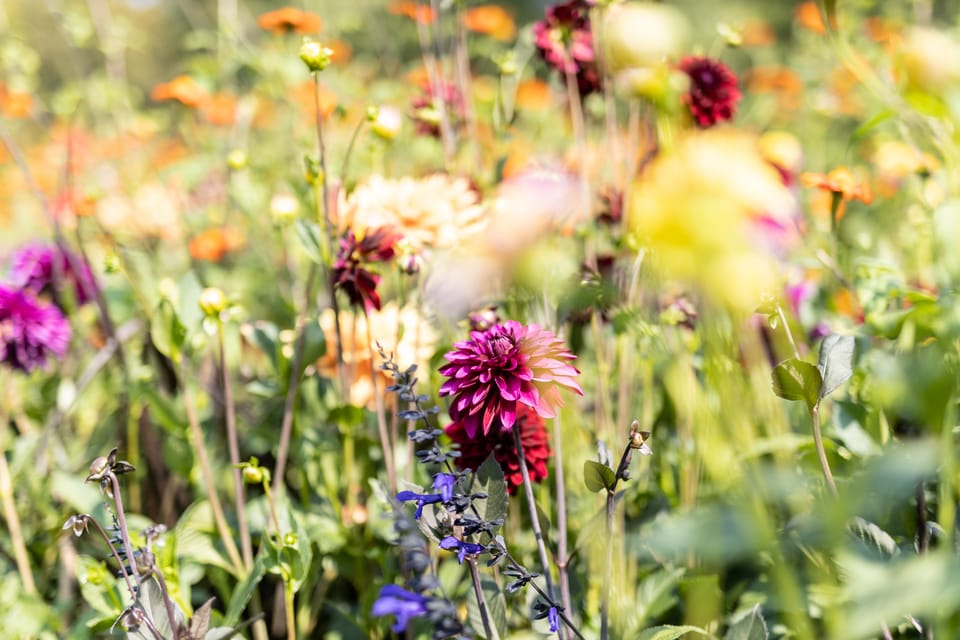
<point>795,379</point>
<point>656,594</point>
<point>872,535</point>
<point>670,632</point>
<point>749,627</point>
<point>167,331</point>
<point>835,362</point>
<point>314,344</point>
<point>308,233</point>
<point>496,610</point>
<point>598,476</point>
<point>244,591</point>
<point>489,479</point>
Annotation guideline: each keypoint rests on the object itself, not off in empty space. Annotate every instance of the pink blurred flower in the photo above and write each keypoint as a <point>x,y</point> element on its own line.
<point>31,332</point>
<point>565,42</point>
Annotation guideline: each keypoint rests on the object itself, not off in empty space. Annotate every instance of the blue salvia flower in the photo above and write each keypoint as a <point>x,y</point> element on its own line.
<point>554,617</point>
<point>444,483</point>
<point>397,601</point>
<point>421,498</point>
<point>463,548</point>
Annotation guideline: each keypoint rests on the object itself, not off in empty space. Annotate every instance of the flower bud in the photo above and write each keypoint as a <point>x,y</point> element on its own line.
<point>290,539</point>
<point>283,208</point>
<point>237,159</point>
<point>212,301</point>
<point>252,475</point>
<point>387,123</point>
<point>315,55</point>
<point>641,34</point>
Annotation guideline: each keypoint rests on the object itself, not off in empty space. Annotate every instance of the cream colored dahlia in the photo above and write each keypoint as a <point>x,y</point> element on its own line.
<point>435,211</point>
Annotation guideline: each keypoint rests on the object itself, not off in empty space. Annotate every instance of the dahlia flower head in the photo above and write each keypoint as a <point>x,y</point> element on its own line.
<point>350,273</point>
<point>31,332</point>
<point>46,268</point>
<point>434,211</point>
<point>533,438</point>
<point>713,94</point>
<point>495,371</point>
<point>564,40</point>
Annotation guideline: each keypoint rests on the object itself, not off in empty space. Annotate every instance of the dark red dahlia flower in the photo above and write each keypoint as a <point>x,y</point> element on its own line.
<point>565,42</point>
<point>533,436</point>
<point>713,94</point>
<point>496,371</point>
<point>30,331</point>
<point>48,269</point>
<point>350,274</point>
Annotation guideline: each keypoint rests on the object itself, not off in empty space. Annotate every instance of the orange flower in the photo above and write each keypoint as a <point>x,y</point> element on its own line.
<point>756,33</point>
<point>183,89</point>
<point>492,20</point>
<point>781,81</point>
<point>288,20</point>
<point>15,104</point>
<point>302,94</point>
<point>221,109</point>
<point>808,16</point>
<point>419,77</point>
<point>413,10</point>
<point>214,243</point>
<point>842,184</point>
<point>533,94</point>
<point>342,51</point>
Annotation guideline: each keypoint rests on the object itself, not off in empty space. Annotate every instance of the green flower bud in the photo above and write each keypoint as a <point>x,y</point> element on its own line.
<point>253,475</point>
<point>237,159</point>
<point>315,55</point>
<point>212,301</point>
<point>388,123</point>
<point>284,208</point>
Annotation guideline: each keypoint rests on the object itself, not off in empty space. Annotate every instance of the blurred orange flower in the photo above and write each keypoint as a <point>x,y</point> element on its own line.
<point>757,33</point>
<point>302,94</point>
<point>419,76</point>
<point>808,16</point>
<point>533,94</point>
<point>342,51</point>
<point>289,19</point>
<point>413,10</point>
<point>842,184</point>
<point>15,104</point>
<point>492,20</point>
<point>781,81</point>
<point>183,89</point>
<point>220,109</point>
<point>214,243</point>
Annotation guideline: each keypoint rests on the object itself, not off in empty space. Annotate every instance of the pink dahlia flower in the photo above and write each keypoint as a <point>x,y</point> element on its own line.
<point>713,94</point>
<point>48,269</point>
<point>350,273</point>
<point>31,331</point>
<point>496,370</point>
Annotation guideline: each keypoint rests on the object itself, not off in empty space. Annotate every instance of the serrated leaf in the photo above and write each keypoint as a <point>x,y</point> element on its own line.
<point>308,233</point>
<point>598,477</point>
<point>489,479</point>
<point>796,379</point>
<point>670,632</point>
<point>750,627</point>
<point>835,362</point>
<point>871,534</point>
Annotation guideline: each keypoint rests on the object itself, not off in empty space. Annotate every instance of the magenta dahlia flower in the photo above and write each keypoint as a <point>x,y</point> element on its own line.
<point>350,273</point>
<point>497,370</point>
<point>565,42</point>
<point>713,94</point>
<point>30,331</point>
<point>426,112</point>
<point>533,436</point>
<point>49,269</point>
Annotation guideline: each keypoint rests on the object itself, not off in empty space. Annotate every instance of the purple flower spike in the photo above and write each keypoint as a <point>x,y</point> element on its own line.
<point>444,483</point>
<point>397,601</point>
<point>553,616</point>
<point>30,332</point>
<point>463,548</point>
<point>509,364</point>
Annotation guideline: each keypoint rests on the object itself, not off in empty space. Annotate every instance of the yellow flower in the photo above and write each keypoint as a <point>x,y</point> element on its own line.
<point>711,209</point>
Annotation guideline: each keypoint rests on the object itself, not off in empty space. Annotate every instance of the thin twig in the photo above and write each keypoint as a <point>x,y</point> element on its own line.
<point>10,515</point>
<point>246,546</point>
<point>481,599</point>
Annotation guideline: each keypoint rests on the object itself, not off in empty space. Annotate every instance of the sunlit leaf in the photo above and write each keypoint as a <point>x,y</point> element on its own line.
<point>671,632</point>
<point>835,362</point>
<point>795,379</point>
<point>598,477</point>
<point>750,627</point>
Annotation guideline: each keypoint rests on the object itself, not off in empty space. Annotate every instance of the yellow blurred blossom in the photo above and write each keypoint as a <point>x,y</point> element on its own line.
<point>714,212</point>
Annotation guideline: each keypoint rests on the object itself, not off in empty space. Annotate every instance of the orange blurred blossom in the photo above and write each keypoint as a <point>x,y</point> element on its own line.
<point>290,19</point>
<point>213,244</point>
<point>843,186</point>
<point>183,89</point>
<point>413,10</point>
<point>492,20</point>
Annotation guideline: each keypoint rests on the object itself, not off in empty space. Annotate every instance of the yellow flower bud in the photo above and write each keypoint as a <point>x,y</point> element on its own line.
<point>212,301</point>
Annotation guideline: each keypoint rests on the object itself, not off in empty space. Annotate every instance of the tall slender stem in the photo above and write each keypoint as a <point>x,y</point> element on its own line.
<point>481,599</point>
<point>219,519</point>
<point>821,452</point>
<point>246,546</point>
<point>13,520</point>
<point>534,518</point>
<point>607,569</point>
<point>563,557</point>
<point>388,448</point>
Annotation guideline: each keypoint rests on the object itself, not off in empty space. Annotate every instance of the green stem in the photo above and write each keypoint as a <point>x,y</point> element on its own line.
<point>821,452</point>
<point>246,546</point>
